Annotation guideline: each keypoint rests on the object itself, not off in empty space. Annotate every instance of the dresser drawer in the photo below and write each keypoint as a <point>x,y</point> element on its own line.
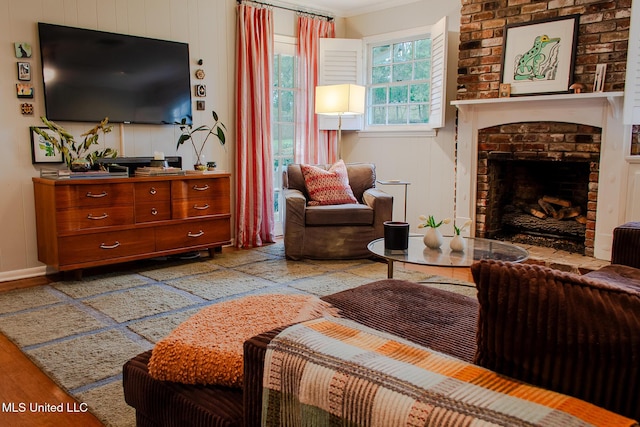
<point>189,208</point>
<point>153,211</point>
<point>193,233</point>
<point>195,188</point>
<point>107,245</point>
<point>94,217</point>
<point>99,194</point>
<point>152,191</point>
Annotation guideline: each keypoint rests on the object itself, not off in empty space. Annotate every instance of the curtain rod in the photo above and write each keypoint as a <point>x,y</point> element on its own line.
<point>327,17</point>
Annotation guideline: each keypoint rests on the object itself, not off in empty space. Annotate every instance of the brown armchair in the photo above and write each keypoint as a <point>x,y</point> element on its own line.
<point>334,231</point>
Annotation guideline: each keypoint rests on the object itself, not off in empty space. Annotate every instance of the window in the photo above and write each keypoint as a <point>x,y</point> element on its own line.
<point>405,78</point>
<point>404,74</point>
<point>282,117</point>
<point>398,82</point>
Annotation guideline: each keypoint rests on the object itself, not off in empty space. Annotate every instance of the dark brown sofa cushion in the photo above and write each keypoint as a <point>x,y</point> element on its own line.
<point>625,248</point>
<point>568,333</point>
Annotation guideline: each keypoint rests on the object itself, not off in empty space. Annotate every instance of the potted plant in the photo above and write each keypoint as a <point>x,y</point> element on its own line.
<point>77,155</point>
<point>188,132</point>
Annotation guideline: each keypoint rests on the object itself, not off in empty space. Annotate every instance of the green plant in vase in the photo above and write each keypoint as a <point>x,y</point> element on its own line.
<point>77,155</point>
<point>188,132</point>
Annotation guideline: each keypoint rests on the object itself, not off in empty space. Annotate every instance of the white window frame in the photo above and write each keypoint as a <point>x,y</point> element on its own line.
<point>438,35</point>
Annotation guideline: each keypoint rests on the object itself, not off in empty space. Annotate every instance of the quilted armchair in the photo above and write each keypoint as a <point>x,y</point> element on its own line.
<point>334,231</point>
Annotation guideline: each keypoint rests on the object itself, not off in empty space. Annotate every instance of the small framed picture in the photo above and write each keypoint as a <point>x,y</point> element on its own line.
<point>23,50</point>
<point>200,105</point>
<point>24,71</point>
<point>42,151</point>
<point>24,90</point>
<point>201,90</point>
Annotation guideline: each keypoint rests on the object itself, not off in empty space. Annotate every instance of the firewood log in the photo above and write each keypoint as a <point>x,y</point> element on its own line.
<point>581,219</point>
<point>557,201</point>
<point>547,207</point>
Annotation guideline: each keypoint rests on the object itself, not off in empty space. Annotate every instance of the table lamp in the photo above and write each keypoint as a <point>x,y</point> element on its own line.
<point>338,100</point>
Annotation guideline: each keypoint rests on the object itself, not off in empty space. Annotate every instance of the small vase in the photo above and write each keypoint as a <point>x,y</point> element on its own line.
<point>433,238</point>
<point>458,244</point>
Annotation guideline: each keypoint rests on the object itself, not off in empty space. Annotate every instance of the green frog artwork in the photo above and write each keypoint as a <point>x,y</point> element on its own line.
<point>540,62</point>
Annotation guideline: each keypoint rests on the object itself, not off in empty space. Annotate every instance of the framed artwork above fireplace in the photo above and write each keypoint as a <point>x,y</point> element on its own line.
<point>538,56</point>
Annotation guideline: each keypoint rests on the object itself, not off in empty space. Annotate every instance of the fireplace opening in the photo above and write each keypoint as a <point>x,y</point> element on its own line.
<point>542,203</point>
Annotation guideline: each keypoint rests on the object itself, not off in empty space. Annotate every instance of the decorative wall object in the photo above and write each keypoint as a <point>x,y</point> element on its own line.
<point>201,90</point>
<point>598,82</point>
<point>26,109</point>
<point>24,71</point>
<point>24,90</point>
<point>505,90</point>
<point>200,105</point>
<point>538,56</point>
<point>42,151</point>
<point>23,50</point>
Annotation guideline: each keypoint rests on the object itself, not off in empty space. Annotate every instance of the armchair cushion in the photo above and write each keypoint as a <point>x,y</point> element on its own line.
<point>328,187</point>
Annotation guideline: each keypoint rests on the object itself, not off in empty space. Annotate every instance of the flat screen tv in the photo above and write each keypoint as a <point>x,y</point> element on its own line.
<point>89,75</point>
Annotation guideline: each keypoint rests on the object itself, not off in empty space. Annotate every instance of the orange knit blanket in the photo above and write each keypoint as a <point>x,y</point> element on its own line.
<point>207,348</point>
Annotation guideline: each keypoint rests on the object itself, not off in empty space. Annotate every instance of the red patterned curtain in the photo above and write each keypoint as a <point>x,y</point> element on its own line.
<point>311,145</point>
<point>254,158</point>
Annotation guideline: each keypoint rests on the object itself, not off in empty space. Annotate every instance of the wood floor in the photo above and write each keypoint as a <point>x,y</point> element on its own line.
<point>22,383</point>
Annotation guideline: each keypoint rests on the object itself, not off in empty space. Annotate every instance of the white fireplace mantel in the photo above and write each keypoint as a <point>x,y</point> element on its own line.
<point>601,109</point>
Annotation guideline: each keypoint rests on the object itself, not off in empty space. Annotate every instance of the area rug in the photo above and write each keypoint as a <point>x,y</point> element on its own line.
<point>80,333</point>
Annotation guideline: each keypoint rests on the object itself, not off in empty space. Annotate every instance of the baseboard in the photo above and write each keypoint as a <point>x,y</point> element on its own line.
<point>23,274</point>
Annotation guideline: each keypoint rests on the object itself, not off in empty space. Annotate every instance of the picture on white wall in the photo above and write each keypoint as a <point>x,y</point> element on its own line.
<point>538,56</point>
<point>42,151</point>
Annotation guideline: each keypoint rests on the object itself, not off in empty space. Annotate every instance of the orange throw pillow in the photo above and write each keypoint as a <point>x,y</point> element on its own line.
<point>328,187</point>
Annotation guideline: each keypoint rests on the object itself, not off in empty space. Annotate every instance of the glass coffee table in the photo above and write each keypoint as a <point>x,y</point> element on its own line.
<point>477,249</point>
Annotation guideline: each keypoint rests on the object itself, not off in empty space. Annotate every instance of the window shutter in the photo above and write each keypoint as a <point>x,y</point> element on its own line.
<point>340,62</point>
<point>632,84</point>
<point>438,73</point>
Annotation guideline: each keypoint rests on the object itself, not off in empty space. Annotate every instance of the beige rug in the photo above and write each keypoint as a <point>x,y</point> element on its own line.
<point>80,333</point>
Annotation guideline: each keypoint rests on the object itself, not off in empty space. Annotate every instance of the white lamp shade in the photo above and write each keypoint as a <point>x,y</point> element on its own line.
<point>340,99</point>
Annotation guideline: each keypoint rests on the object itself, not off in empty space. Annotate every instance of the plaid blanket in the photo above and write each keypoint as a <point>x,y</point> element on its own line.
<point>330,371</point>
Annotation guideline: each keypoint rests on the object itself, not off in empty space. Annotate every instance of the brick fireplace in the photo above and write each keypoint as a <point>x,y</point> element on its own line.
<point>519,164</point>
<point>550,129</point>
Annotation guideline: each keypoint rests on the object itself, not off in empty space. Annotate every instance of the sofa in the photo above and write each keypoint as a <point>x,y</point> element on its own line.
<point>334,231</point>
<point>577,335</point>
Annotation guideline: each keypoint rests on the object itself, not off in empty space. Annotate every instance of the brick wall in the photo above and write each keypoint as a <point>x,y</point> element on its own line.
<point>603,38</point>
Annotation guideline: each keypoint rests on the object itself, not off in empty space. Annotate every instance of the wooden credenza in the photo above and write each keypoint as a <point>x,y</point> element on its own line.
<point>84,223</point>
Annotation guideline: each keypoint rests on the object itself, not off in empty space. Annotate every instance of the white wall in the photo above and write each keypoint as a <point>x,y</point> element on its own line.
<point>426,162</point>
<point>209,28</point>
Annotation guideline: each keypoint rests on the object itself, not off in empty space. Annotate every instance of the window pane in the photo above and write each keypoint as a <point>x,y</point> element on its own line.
<point>398,114</point>
<point>381,55</point>
<point>423,48</point>
<point>286,140</point>
<point>381,74</point>
<point>286,105</point>
<point>402,51</point>
<point>276,69</point>
<point>378,115</point>
<point>419,113</point>
<point>286,71</point>
<point>398,94</point>
<point>419,93</point>
<point>402,72</point>
<point>422,70</point>
<point>275,101</point>
<point>379,95</point>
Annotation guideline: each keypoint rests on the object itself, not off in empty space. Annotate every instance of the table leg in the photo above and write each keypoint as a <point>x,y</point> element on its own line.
<point>389,269</point>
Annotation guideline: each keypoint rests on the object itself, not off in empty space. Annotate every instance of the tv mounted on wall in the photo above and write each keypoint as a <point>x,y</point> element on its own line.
<point>89,75</point>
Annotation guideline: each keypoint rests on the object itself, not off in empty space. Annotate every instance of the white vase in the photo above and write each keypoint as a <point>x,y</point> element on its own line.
<point>433,238</point>
<point>458,244</point>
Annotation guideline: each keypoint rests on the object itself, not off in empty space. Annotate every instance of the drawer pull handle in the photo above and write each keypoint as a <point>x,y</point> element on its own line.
<point>154,211</point>
<point>115,245</point>
<point>201,208</point>
<point>196,188</point>
<point>97,196</point>
<point>153,190</point>
<point>103,216</point>
<point>198,234</point>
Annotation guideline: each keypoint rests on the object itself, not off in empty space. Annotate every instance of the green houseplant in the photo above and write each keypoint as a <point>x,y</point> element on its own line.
<point>77,155</point>
<point>188,132</point>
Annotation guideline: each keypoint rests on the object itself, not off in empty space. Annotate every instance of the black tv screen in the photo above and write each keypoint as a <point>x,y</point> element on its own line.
<point>89,75</point>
